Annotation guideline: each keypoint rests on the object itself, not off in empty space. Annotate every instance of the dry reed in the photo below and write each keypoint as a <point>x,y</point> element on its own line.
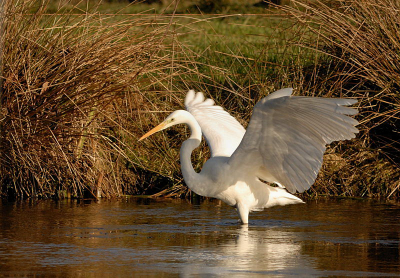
<point>64,78</point>
<point>357,53</point>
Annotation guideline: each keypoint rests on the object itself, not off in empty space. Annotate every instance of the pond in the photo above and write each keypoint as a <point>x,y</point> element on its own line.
<point>169,238</point>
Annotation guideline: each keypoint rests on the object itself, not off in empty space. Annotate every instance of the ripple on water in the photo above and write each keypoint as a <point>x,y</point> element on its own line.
<point>170,237</point>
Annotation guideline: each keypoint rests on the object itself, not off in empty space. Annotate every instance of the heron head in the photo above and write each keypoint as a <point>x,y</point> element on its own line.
<point>176,117</point>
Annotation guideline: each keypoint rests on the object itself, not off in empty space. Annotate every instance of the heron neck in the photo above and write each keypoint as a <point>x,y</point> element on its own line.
<point>191,177</point>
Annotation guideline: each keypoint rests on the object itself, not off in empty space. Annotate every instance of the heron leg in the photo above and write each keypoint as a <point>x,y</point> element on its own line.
<point>243,212</point>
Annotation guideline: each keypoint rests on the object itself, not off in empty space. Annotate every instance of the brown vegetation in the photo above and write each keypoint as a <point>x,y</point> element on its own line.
<point>360,57</point>
<point>64,77</point>
<point>78,90</point>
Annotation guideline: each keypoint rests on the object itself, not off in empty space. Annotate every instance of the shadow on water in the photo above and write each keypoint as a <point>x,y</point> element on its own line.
<point>174,237</point>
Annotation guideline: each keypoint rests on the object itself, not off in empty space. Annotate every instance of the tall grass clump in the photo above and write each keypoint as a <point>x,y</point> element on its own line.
<point>64,78</point>
<point>357,53</point>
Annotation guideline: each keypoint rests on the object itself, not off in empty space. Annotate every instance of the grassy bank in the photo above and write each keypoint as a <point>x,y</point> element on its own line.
<point>83,80</point>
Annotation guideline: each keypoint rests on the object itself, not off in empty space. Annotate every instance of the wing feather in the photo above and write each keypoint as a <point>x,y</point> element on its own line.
<point>287,137</point>
<point>222,132</point>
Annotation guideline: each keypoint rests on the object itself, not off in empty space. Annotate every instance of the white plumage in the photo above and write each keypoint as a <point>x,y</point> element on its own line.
<point>222,131</point>
<point>284,144</point>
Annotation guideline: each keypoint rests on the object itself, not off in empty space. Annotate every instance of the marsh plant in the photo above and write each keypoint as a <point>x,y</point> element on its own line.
<point>357,53</point>
<point>79,86</point>
<point>65,78</point>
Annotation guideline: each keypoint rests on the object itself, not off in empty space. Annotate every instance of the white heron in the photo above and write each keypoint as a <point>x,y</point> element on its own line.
<point>283,145</point>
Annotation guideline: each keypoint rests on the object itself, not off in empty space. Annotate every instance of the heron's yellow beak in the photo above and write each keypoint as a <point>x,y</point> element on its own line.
<point>154,130</point>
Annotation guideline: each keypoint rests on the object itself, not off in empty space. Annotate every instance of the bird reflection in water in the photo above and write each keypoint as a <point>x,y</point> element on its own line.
<point>252,251</point>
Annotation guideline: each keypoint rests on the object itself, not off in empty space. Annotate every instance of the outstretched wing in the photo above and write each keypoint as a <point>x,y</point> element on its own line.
<point>223,133</point>
<point>287,136</point>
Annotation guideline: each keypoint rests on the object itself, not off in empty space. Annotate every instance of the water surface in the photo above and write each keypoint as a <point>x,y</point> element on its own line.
<point>163,238</point>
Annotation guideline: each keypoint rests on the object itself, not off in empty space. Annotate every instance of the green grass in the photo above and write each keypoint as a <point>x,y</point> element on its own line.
<point>162,7</point>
